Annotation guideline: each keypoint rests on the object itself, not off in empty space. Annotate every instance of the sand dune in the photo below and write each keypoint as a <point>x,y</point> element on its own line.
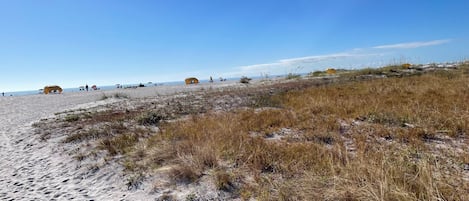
<point>31,169</point>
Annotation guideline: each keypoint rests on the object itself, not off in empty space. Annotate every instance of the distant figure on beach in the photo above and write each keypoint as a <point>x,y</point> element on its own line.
<point>86,86</point>
<point>211,80</point>
<point>3,93</point>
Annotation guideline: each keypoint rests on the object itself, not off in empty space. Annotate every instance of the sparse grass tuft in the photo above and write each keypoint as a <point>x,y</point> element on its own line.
<point>292,76</point>
<point>72,117</point>
<point>85,135</point>
<point>223,180</point>
<point>184,173</point>
<point>116,95</point>
<point>266,100</point>
<point>150,118</point>
<point>119,144</point>
<point>317,73</point>
<point>120,95</point>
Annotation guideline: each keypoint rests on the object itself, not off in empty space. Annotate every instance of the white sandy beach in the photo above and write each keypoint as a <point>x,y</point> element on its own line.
<point>31,169</point>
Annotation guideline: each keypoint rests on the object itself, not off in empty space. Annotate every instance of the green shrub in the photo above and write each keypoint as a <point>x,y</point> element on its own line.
<point>293,76</point>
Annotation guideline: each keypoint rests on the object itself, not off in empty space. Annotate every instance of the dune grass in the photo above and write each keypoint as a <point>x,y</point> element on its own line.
<point>393,158</point>
<point>398,138</point>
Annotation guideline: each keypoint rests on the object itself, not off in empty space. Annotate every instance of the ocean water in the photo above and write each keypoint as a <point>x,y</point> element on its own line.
<point>108,87</point>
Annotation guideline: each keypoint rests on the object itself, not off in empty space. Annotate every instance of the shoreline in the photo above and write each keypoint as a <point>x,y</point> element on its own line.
<point>34,169</point>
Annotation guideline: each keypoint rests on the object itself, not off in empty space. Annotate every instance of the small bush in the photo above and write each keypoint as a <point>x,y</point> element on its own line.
<point>184,173</point>
<point>85,135</point>
<point>150,118</point>
<point>223,181</point>
<point>72,118</point>
<point>293,76</point>
<point>245,80</point>
<point>317,73</point>
<point>119,144</point>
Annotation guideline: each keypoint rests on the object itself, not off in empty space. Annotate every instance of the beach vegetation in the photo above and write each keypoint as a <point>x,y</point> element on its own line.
<point>72,117</point>
<point>115,95</point>
<point>340,160</point>
<point>245,80</point>
<point>382,138</point>
<point>150,118</point>
<point>134,181</point>
<point>223,180</point>
<point>317,73</point>
<point>292,76</point>
<point>120,95</point>
<point>266,100</point>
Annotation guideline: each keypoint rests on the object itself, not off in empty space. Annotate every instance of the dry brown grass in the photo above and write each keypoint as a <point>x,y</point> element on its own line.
<point>393,158</point>
<point>333,139</point>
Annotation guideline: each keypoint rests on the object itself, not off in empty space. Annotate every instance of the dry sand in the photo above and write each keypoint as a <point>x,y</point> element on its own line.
<point>31,169</point>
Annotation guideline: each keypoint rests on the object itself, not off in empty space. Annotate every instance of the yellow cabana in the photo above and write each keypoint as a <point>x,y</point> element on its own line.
<point>52,88</point>
<point>192,80</point>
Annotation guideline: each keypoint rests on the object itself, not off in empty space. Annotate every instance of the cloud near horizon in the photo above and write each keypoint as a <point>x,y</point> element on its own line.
<point>363,55</point>
<point>413,44</point>
<point>293,62</point>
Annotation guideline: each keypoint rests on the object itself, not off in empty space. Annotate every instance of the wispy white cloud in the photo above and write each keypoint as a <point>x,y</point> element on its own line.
<point>283,65</point>
<point>316,58</point>
<point>355,58</point>
<point>291,62</point>
<point>413,44</point>
<point>305,60</point>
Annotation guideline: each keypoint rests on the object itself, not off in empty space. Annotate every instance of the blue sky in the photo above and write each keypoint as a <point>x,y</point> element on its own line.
<point>105,42</point>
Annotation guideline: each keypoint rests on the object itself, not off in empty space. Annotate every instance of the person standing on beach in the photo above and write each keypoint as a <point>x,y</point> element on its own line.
<point>3,93</point>
<point>86,87</point>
